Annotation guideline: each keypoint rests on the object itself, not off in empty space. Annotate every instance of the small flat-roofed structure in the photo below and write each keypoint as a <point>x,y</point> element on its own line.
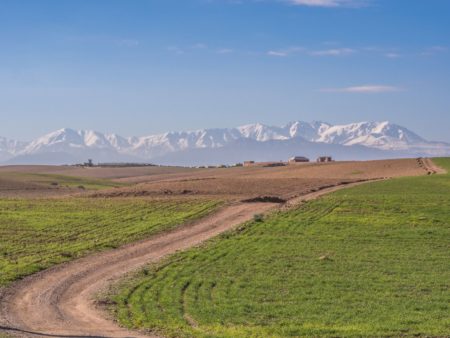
<point>298,159</point>
<point>249,163</point>
<point>324,159</point>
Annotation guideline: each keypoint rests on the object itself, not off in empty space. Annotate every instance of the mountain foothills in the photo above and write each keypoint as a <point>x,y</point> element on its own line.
<point>355,141</point>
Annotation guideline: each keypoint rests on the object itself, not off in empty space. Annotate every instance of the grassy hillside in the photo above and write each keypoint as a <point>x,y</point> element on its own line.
<point>38,233</point>
<point>368,261</point>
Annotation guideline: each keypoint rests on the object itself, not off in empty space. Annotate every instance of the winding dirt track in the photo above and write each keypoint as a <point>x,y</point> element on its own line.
<point>59,302</point>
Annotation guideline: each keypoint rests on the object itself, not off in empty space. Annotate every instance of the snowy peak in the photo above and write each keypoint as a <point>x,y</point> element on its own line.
<point>310,131</point>
<point>66,139</point>
<point>381,135</point>
<point>262,133</point>
<point>117,141</point>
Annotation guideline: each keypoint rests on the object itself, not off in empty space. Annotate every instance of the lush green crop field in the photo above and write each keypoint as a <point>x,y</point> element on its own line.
<point>38,233</point>
<point>367,261</point>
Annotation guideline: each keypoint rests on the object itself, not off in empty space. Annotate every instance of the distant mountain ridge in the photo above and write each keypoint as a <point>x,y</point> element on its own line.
<point>363,140</point>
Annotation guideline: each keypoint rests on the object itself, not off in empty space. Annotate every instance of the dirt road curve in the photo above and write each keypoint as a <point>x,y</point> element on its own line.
<point>428,165</point>
<point>59,302</point>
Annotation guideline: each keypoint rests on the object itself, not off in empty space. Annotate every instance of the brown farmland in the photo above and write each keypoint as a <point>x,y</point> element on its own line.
<point>258,181</point>
<point>235,183</point>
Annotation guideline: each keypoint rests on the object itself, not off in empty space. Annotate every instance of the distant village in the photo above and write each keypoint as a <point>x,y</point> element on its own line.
<point>293,160</point>
<point>90,164</point>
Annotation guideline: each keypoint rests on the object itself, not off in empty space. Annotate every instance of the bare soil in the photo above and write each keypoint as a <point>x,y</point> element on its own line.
<point>232,183</point>
<point>257,181</point>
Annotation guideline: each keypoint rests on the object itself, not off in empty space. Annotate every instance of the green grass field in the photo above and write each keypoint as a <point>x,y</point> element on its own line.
<point>38,233</point>
<point>367,261</point>
<point>56,180</point>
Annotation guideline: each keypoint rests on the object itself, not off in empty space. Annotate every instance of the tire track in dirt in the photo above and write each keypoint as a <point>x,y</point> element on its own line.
<point>59,302</point>
<point>428,165</point>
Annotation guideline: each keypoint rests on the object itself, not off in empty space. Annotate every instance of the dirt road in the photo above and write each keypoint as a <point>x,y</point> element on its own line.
<point>428,165</point>
<point>59,302</point>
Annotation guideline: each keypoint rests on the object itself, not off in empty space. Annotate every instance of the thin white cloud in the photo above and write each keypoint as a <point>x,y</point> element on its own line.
<point>309,3</point>
<point>365,89</point>
<point>277,53</point>
<point>293,51</point>
<point>392,55</point>
<point>333,52</point>
<point>329,3</point>
<point>439,48</point>
<point>286,51</point>
<point>434,50</point>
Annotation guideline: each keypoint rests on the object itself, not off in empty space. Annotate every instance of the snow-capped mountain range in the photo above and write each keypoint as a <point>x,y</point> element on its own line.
<point>364,140</point>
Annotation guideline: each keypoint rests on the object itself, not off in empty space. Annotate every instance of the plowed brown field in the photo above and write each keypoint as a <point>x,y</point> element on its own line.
<point>234,183</point>
<point>249,182</point>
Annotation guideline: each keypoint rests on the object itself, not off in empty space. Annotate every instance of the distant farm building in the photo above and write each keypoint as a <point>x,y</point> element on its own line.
<point>249,163</point>
<point>298,159</point>
<point>324,159</point>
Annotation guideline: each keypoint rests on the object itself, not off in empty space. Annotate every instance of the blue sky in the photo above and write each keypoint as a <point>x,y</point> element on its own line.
<point>139,67</point>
